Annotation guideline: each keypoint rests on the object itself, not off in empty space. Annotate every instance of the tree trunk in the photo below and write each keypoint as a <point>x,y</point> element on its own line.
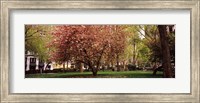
<point>40,70</point>
<point>124,66</point>
<point>166,62</point>
<point>118,68</point>
<point>64,67</point>
<point>134,55</point>
<point>67,65</point>
<point>155,69</point>
<point>94,73</point>
<point>112,66</point>
<point>81,66</point>
<point>94,70</point>
<point>103,67</point>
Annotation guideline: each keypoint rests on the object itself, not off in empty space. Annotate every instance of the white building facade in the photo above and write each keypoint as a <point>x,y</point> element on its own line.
<point>33,63</point>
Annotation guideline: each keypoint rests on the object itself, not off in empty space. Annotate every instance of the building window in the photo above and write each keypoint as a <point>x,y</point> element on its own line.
<point>32,60</point>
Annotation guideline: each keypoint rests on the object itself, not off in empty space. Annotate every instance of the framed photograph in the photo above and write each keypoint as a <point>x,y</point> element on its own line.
<point>100,51</point>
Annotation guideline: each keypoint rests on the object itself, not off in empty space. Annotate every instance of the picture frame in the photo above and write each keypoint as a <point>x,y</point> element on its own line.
<point>7,6</point>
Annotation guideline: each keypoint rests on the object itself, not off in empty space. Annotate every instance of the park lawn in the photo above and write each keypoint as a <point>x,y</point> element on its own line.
<point>100,74</point>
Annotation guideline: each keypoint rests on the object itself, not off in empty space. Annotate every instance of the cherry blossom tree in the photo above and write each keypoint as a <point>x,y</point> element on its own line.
<point>88,44</point>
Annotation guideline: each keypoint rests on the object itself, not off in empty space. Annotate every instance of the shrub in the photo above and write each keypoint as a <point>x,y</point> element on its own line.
<point>131,67</point>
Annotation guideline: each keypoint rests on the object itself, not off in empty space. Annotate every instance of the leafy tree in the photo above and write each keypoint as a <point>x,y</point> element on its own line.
<point>87,44</point>
<point>143,54</point>
<point>136,44</point>
<point>36,39</point>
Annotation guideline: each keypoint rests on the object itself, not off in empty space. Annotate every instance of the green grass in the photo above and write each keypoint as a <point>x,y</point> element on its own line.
<point>100,74</point>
